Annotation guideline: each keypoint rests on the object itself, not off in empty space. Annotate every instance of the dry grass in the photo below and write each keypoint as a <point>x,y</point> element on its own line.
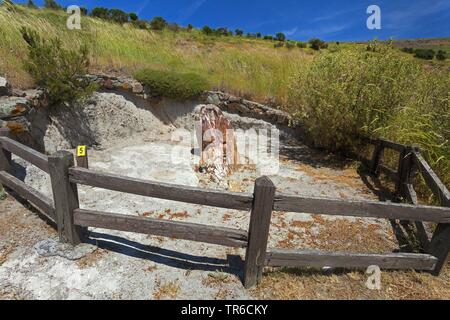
<point>169,290</point>
<point>91,259</point>
<point>295,284</point>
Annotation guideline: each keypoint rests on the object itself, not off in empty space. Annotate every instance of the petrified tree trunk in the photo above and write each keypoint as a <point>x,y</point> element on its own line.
<point>217,141</point>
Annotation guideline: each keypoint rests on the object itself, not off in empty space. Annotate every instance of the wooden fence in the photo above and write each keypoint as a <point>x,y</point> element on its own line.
<point>72,222</point>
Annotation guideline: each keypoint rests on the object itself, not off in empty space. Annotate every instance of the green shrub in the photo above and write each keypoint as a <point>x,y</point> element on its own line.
<point>301,45</point>
<point>352,93</point>
<point>51,4</point>
<point>408,50</point>
<point>441,55</point>
<point>158,23</point>
<point>317,44</point>
<point>172,84</point>
<point>238,32</point>
<point>58,70</point>
<point>207,30</point>
<point>426,54</point>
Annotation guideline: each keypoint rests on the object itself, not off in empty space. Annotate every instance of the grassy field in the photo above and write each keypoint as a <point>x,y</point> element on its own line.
<point>339,94</point>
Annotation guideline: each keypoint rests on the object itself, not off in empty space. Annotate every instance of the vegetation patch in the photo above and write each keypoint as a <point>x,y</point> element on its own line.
<point>172,84</point>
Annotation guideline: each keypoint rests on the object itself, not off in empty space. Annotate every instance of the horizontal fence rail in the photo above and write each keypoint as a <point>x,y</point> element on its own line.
<point>193,195</point>
<point>320,259</point>
<point>32,156</point>
<point>41,201</point>
<point>365,209</point>
<point>179,230</point>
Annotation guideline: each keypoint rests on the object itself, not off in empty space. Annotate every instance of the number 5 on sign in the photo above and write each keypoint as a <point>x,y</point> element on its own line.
<point>81,151</point>
<point>82,157</point>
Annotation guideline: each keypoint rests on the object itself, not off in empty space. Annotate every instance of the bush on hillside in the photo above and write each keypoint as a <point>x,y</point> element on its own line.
<point>352,93</point>
<point>426,54</point>
<point>408,50</point>
<point>57,69</point>
<point>207,30</point>
<point>278,45</point>
<point>301,45</point>
<point>317,44</point>
<point>158,23</point>
<point>172,84</point>
<point>238,32</point>
<point>441,55</point>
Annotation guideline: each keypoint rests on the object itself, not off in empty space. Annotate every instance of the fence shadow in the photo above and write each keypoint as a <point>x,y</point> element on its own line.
<point>233,264</point>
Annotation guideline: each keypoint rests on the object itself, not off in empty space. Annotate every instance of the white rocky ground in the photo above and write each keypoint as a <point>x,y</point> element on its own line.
<point>136,141</point>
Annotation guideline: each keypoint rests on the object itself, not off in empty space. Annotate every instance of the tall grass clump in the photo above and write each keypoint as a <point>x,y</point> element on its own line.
<point>172,84</point>
<point>346,95</point>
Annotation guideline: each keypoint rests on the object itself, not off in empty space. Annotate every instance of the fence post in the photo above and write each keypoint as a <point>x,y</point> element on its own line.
<point>376,157</point>
<point>5,156</point>
<point>258,234</point>
<point>65,196</point>
<point>440,246</point>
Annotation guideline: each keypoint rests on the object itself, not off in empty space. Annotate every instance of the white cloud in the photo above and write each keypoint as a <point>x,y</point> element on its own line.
<point>291,32</point>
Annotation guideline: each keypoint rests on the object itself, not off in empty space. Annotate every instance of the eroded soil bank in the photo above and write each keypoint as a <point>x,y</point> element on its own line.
<point>134,138</point>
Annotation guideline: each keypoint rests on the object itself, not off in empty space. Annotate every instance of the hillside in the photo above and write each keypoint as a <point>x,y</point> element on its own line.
<point>339,94</point>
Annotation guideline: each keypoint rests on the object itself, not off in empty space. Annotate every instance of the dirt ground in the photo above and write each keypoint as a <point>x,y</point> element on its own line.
<point>133,266</point>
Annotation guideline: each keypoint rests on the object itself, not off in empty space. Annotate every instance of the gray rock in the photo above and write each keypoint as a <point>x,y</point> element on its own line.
<point>5,87</point>
<point>52,247</point>
<point>213,99</point>
<point>13,107</point>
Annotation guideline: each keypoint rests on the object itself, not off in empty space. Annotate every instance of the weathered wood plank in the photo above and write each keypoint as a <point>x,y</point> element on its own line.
<point>65,197</point>
<point>319,259</point>
<point>258,231</point>
<point>393,145</point>
<point>179,230</point>
<point>213,198</point>
<point>5,155</point>
<point>376,158</point>
<point>366,209</point>
<point>440,246</point>
<point>33,196</point>
<point>432,180</point>
<point>32,156</point>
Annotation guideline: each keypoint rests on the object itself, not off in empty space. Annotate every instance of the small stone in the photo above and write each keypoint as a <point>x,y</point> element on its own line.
<point>137,88</point>
<point>213,99</point>
<point>5,87</point>
<point>52,247</point>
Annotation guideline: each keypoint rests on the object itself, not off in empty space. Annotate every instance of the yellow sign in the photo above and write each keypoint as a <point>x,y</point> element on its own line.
<point>81,151</point>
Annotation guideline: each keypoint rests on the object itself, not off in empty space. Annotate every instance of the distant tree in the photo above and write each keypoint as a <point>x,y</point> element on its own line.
<point>268,37</point>
<point>221,31</point>
<point>238,32</point>
<point>140,24</point>
<point>158,23</point>
<point>280,36</point>
<point>118,15</point>
<point>441,55</point>
<point>133,16</point>
<point>207,30</point>
<point>100,12</point>
<point>258,35</point>
<point>301,45</point>
<point>338,43</point>
<point>84,11</point>
<point>251,35</point>
<point>190,27</point>
<point>51,4</point>
<point>317,44</point>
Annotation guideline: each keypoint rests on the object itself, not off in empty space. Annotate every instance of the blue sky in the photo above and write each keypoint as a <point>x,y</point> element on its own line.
<point>300,20</point>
